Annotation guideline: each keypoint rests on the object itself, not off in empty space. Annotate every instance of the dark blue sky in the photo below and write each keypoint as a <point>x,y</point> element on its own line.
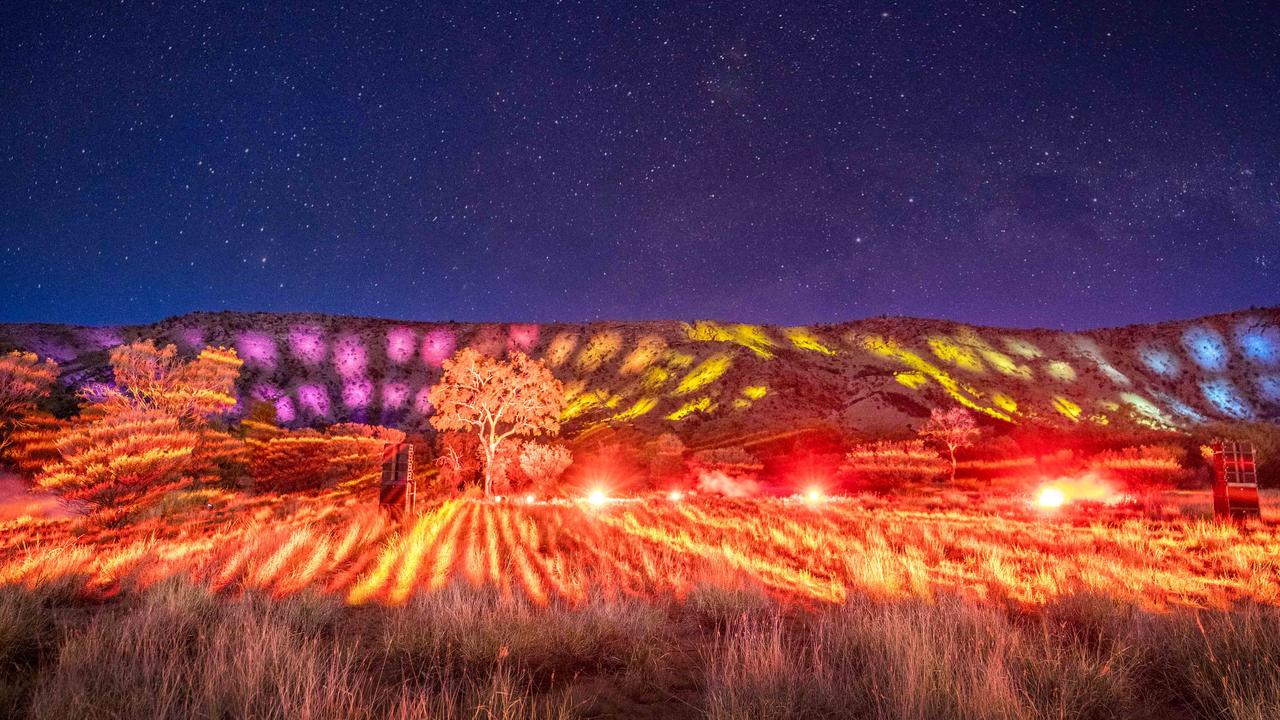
<point>775,162</point>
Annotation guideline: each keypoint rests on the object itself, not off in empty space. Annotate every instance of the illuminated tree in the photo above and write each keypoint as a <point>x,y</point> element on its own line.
<point>139,436</point>
<point>953,429</point>
<point>497,400</point>
<point>24,379</point>
<point>152,378</point>
<point>544,463</point>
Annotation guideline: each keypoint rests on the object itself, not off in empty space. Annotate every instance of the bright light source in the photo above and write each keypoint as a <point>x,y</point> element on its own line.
<point>814,495</point>
<point>597,497</point>
<point>530,499</point>
<point>1050,497</point>
<point>675,496</point>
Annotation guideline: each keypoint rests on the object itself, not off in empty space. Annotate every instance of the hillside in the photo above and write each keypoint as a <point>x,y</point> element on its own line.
<point>709,380</point>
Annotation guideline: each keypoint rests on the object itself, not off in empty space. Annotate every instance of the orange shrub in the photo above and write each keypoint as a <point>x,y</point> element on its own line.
<point>543,464</point>
<point>887,464</point>
<point>31,446</point>
<point>119,457</point>
<point>347,455</point>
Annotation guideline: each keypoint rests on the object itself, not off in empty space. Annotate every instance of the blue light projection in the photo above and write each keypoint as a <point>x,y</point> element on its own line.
<point>1228,401</point>
<point>1206,347</point>
<point>1160,361</point>
<point>1259,343</point>
<point>1269,388</point>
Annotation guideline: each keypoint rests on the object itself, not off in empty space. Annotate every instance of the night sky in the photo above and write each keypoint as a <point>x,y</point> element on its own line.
<point>765,162</point>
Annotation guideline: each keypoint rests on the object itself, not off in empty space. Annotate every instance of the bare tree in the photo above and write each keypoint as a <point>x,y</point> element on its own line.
<point>953,428</point>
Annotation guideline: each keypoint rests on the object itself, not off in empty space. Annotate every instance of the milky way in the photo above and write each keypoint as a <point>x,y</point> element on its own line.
<point>771,162</point>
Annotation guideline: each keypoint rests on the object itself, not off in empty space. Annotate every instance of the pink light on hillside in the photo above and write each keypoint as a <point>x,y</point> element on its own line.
<point>191,338</point>
<point>522,337</point>
<point>394,395</point>
<point>265,392</point>
<point>438,346</point>
<point>257,349</point>
<point>422,401</point>
<point>401,344</point>
<point>306,342</point>
<point>285,412</point>
<point>357,392</point>
<point>314,400</point>
<point>350,356</point>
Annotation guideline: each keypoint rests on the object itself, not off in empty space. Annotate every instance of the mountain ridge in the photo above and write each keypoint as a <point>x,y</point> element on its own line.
<point>877,375</point>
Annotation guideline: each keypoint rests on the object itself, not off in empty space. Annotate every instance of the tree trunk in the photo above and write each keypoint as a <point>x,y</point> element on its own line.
<point>488,471</point>
<point>953,464</point>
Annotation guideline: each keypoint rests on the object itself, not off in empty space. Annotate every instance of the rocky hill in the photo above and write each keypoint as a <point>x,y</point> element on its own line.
<point>708,380</point>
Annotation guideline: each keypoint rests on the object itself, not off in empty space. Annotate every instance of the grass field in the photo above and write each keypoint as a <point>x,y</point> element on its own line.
<point>225,605</point>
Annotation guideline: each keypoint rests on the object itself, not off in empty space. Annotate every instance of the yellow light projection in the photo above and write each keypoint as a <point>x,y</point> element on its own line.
<point>752,337</point>
<point>1067,408</point>
<point>677,359</point>
<point>641,407</point>
<point>806,340</point>
<point>654,378</point>
<point>1004,402</point>
<point>962,357</point>
<point>960,393</point>
<point>755,392</point>
<point>599,349</point>
<point>648,349</point>
<point>561,348</point>
<point>583,403</point>
<point>911,378</point>
<point>707,372</point>
<point>1148,413</point>
<point>1022,348</point>
<point>1003,364</point>
<point>572,389</point>
<point>1062,371</point>
<point>702,405</point>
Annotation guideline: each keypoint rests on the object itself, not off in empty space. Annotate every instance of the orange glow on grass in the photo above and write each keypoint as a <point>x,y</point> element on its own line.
<point>542,553</point>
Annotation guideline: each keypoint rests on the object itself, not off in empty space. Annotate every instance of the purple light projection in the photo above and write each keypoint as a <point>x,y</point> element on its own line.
<point>102,338</point>
<point>522,338</point>
<point>265,392</point>
<point>350,356</point>
<point>357,392</point>
<point>401,344</point>
<point>306,342</point>
<point>258,349</point>
<point>394,395</point>
<point>422,401</point>
<point>285,411</point>
<point>314,400</point>
<point>191,338</point>
<point>438,346</point>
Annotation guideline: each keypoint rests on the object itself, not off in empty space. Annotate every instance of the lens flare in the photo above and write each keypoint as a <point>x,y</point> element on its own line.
<point>1050,497</point>
<point>597,497</point>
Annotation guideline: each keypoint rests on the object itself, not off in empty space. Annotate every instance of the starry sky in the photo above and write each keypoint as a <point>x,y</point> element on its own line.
<point>785,162</point>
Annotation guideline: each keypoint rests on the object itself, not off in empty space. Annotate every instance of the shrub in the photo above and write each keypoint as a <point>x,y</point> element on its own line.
<point>119,456</point>
<point>544,464</point>
<point>346,454</point>
<point>1143,468</point>
<point>887,464</point>
<point>458,458</point>
<point>24,379</point>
